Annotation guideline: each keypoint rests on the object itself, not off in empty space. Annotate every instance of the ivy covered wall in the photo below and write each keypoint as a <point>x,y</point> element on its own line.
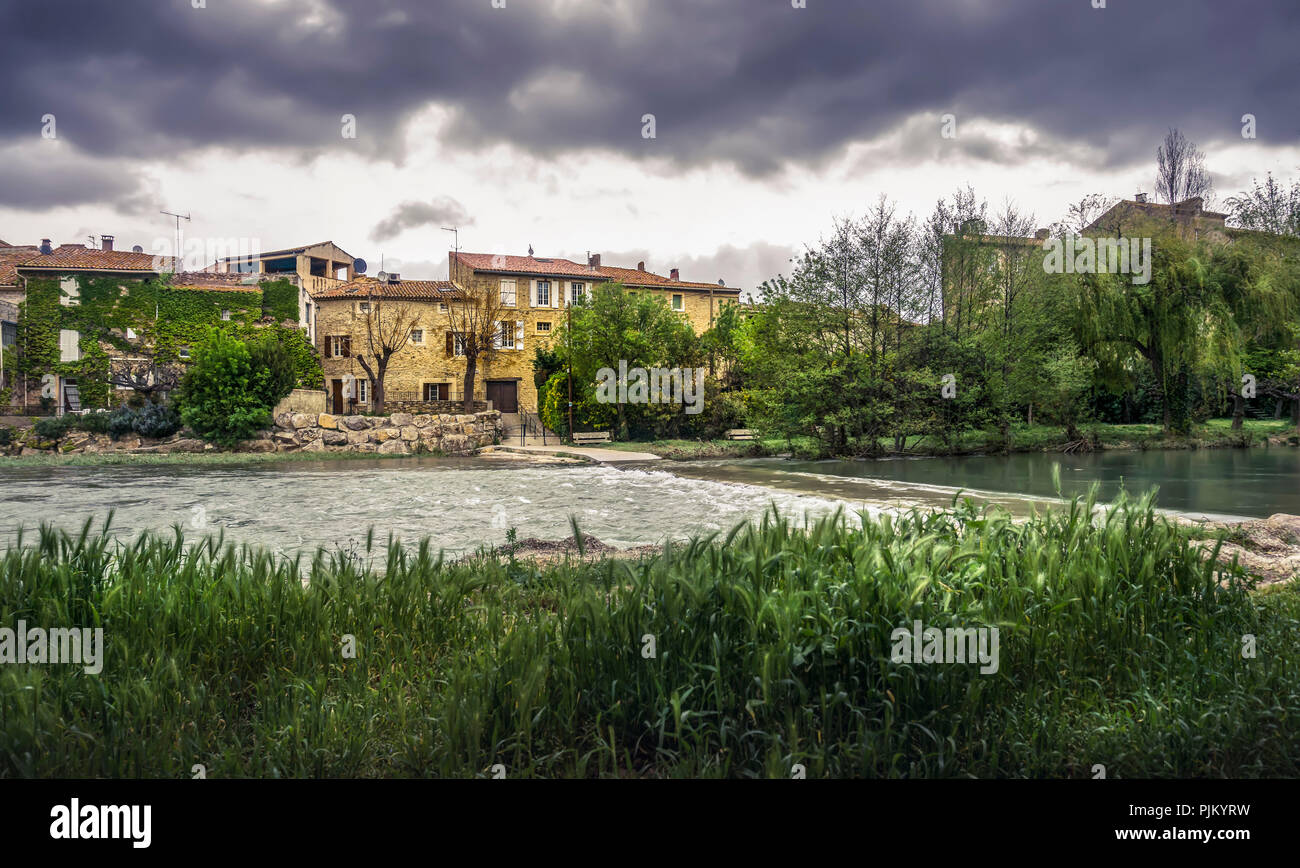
<point>165,318</point>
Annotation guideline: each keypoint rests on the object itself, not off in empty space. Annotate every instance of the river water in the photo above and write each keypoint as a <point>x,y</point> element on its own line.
<point>461,504</point>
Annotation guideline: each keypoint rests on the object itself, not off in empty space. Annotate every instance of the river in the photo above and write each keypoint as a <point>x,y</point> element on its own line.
<point>462,504</point>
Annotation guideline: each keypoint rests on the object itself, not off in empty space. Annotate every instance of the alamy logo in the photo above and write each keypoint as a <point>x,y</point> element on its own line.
<point>76,820</point>
<point>953,645</point>
<point>653,386</point>
<point>1081,254</point>
<point>59,645</point>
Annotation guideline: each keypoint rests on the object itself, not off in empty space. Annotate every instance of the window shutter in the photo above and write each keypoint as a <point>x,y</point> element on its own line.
<point>532,293</point>
<point>347,346</point>
<point>557,287</point>
<point>451,346</point>
<point>519,334</point>
<point>496,336</point>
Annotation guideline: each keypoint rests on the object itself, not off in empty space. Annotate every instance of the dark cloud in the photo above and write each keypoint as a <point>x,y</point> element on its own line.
<point>757,84</point>
<point>442,211</point>
<point>52,175</point>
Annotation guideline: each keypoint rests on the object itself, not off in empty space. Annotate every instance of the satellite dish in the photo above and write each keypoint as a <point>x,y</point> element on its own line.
<point>359,266</point>
<point>383,276</point>
<point>137,249</point>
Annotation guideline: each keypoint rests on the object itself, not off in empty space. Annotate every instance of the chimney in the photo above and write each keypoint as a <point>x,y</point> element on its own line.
<point>1140,197</point>
<point>593,260</point>
<point>674,275</point>
<point>46,249</point>
<point>394,277</point>
<point>106,242</point>
<point>640,266</point>
<point>1042,234</point>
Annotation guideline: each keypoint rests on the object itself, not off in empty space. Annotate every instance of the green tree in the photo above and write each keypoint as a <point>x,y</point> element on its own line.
<point>221,397</point>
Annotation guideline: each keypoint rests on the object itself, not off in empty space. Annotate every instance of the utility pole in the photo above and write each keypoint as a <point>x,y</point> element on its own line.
<point>177,251</point>
<point>568,313</point>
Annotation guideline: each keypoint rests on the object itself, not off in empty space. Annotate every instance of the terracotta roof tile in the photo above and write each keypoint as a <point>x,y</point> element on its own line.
<point>71,257</point>
<point>555,267</point>
<point>366,287</point>
<point>10,257</point>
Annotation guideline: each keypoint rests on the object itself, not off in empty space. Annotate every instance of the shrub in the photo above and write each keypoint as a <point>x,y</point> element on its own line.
<point>121,421</point>
<point>157,420</point>
<point>96,422</point>
<point>55,427</point>
<point>6,436</point>
<point>274,371</point>
<point>219,400</point>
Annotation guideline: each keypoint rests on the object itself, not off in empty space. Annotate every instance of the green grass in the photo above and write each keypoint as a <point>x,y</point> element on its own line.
<point>196,458</point>
<point>1118,646</point>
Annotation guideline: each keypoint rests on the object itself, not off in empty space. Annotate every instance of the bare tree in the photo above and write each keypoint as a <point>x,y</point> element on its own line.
<point>142,373</point>
<point>1268,207</point>
<point>476,330</point>
<point>388,325</point>
<point>1180,170</point>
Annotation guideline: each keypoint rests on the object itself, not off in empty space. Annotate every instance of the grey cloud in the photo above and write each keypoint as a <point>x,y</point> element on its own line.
<point>52,175</point>
<point>441,211</point>
<point>758,85</point>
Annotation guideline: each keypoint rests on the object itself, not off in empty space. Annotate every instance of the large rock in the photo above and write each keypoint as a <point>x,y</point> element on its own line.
<point>188,444</point>
<point>314,446</point>
<point>401,420</point>
<point>382,435</point>
<point>356,423</point>
<point>393,447</point>
<point>310,433</point>
<point>256,446</point>
<point>285,437</point>
<point>357,438</point>
<point>327,421</point>
<point>284,420</point>
<point>335,438</point>
<point>304,420</point>
<point>455,444</point>
<point>410,433</point>
<point>423,420</point>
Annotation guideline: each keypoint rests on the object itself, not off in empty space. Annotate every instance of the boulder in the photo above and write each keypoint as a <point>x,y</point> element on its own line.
<point>410,433</point>
<point>255,446</point>
<point>455,444</point>
<point>423,420</point>
<point>327,421</point>
<point>285,437</point>
<point>382,435</point>
<point>304,420</point>
<point>314,446</point>
<point>357,438</point>
<point>401,420</point>
<point>310,433</point>
<point>393,447</point>
<point>356,423</point>
<point>334,438</point>
<point>284,420</point>
<point>188,444</point>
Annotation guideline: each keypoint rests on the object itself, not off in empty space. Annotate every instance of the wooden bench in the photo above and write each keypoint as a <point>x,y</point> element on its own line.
<point>741,434</point>
<point>581,438</point>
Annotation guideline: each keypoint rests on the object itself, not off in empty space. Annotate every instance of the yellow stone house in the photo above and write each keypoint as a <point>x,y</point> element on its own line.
<point>534,292</point>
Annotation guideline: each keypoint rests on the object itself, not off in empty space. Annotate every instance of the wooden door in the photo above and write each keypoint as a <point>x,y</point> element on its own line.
<point>504,395</point>
<point>338,397</point>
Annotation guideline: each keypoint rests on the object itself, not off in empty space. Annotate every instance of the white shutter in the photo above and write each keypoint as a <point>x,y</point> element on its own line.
<point>69,346</point>
<point>557,286</point>
<point>496,336</point>
<point>519,334</point>
<point>532,293</point>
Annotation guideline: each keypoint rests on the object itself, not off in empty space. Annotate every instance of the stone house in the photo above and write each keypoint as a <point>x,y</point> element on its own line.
<point>534,292</point>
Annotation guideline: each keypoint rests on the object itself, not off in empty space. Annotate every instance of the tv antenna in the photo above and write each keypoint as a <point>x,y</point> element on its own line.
<point>455,231</point>
<point>177,251</point>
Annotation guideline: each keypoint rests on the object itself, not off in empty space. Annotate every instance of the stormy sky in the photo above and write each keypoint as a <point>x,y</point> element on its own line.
<point>525,124</point>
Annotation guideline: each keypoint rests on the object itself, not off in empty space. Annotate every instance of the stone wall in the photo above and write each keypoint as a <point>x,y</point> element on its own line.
<point>439,408</point>
<point>301,401</point>
<point>397,434</point>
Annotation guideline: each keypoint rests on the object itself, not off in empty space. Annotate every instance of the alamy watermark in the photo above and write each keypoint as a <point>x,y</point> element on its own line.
<point>651,386</point>
<point>952,645</point>
<point>58,645</point>
<point>1081,254</point>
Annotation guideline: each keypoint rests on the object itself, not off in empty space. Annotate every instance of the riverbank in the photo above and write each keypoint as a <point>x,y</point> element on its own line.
<point>1214,434</point>
<point>737,656</point>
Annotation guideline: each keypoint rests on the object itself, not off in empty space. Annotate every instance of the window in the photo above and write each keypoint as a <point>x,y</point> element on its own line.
<point>543,293</point>
<point>338,346</point>
<point>677,302</point>
<point>71,292</point>
<point>130,333</point>
<point>183,352</point>
<point>69,345</point>
<point>508,293</point>
<point>455,345</point>
<point>225,315</point>
<point>417,336</point>
<point>576,292</point>
<point>442,307</point>
<point>437,391</point>
<point>543,327</point>
<point>364,307</point>
<point>505,335</point>
<point>363,391</point>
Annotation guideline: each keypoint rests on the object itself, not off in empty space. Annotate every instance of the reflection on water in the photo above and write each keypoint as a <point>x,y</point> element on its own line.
<point>1214,483</point>
<point>459,503</point>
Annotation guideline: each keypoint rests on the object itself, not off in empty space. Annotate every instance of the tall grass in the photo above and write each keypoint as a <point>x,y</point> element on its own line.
<point>1120,644</point>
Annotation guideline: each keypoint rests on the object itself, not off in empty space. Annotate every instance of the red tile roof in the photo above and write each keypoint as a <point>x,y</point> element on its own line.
<point>73,257</point>
<point>366,287</point>
<point>554,267</point>
<point>11,257</point>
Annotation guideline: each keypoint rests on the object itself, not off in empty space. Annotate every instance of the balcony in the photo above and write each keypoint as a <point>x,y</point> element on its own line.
<point>314,284</point>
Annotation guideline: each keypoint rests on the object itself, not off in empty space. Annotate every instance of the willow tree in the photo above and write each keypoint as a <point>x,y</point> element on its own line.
<point>1194,317</point>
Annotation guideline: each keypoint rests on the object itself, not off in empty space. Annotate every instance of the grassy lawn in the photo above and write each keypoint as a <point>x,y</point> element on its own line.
<point>773,645</point>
